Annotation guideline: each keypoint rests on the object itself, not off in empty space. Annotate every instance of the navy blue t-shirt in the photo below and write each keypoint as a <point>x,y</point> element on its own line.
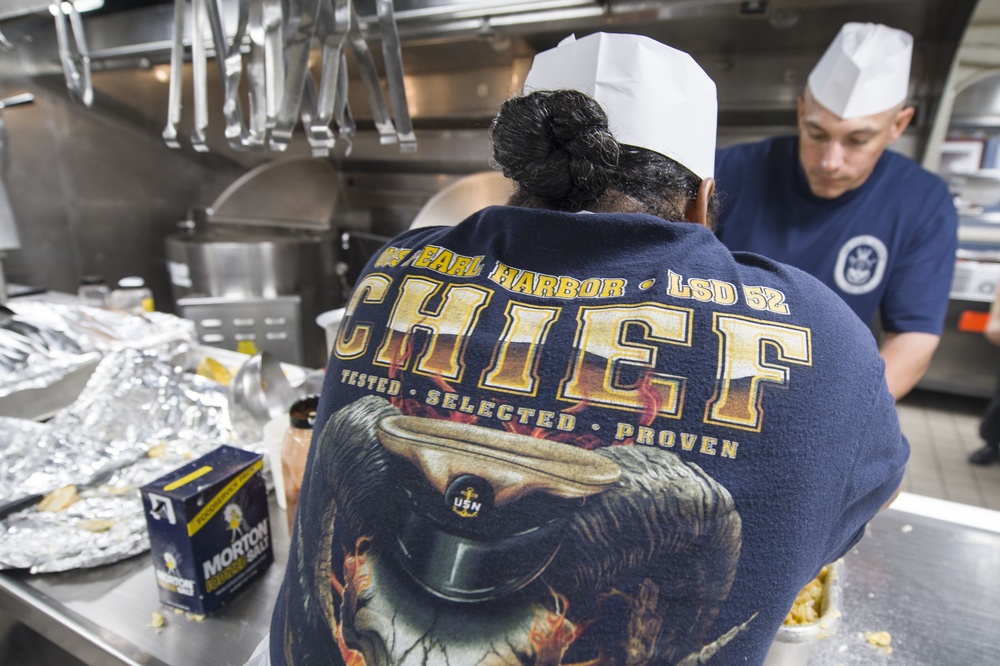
<point>549,437</point>
<point>887,246</point>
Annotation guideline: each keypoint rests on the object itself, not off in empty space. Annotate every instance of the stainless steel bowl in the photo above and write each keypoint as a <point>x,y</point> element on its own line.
<point>793,645</point>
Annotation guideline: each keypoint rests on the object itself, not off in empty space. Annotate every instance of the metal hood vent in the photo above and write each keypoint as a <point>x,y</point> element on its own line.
<point>143,27</point>
<point>462,58</point>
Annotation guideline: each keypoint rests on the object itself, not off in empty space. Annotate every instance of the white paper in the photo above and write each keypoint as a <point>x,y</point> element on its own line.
<point>865,70</point>
<point>656,97</point>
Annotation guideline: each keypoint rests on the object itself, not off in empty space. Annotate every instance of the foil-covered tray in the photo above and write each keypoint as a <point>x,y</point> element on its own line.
<point>104,523</point>
<point>139,416</point>
<point>127,400</point>
<point>49,350</point>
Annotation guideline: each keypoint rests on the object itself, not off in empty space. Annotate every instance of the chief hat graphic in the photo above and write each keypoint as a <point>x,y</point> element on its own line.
<point>483,511</point>
<point>663,528</point>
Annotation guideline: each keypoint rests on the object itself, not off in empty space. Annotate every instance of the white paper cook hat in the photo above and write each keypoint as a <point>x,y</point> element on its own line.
<point>656,97</point>
<point>865,70</point>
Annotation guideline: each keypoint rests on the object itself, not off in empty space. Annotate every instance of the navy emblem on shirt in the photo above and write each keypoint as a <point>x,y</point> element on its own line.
<point>860,265</point>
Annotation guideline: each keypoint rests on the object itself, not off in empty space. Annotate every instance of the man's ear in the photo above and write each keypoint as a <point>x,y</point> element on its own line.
<point>900,122</point>
<point>697,209</point>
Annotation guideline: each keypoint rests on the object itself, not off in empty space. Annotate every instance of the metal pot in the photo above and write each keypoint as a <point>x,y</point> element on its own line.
<point>239,265</point>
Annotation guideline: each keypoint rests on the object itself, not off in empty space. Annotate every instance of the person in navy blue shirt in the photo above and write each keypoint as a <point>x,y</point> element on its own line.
<point>869,223</point>
<point>575,428</point>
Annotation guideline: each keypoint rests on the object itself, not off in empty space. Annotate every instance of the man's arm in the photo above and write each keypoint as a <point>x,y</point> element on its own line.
<point>992,332</point>
<point>892,499</point>
<point>907,357</point>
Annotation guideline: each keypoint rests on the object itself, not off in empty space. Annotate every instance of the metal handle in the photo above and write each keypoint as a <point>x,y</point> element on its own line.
<point>297,47</point>
<point>274,60</point>
<point>230,63</point>
<point>75,57</point>
<point>369,77</point>
<point>17,100</point>
<point>331,29</point>
<point>176,78</point>
<point>345,121</point>
<point>200,76</point>
<point>393,54</point>
<point>257,77</point>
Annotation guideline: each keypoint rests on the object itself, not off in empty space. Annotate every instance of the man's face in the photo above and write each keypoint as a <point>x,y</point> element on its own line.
<point>838,155</point>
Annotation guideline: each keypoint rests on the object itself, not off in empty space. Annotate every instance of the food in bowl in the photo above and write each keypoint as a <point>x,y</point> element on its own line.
<point>809,603</point>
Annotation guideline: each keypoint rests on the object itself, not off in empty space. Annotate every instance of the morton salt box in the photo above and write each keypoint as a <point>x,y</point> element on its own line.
<point>209,530</point>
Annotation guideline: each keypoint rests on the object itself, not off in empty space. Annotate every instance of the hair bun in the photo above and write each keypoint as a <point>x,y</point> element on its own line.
<point>557,146</point>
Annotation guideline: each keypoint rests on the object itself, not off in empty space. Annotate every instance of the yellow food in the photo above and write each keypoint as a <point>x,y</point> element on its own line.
<point>158,621</point>
<point>157,451</point>
<point>209,367</point>
<point>59,499</point>
<point>879,638</point>
<point>97,525</point>
<point>809,603</point>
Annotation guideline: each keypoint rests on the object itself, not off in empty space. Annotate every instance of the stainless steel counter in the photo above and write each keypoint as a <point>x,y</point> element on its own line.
<point>930,576</point>
<point>102,615</point>
<point>928,572</point>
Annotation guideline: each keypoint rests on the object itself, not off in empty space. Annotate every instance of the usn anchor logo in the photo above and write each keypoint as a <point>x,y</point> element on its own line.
<point>860,265</point>
<point>469,496</point>
<point>465,505</point>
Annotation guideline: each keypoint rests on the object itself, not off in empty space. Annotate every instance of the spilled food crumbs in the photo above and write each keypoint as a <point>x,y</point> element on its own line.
<point>880,639</point>
<point>97,525</point>
<point>157,622</point>
<point>157,451</point>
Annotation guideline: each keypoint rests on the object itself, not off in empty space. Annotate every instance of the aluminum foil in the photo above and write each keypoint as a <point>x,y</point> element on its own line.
<point>42,342</point>
<point>34,357</point>
<point>139,417</point>
<point>105,524</point>
<point>134,400</point>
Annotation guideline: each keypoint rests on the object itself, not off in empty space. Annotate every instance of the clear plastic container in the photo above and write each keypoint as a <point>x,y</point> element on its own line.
<point>132,295</point>
<point>295,451</point>
<point>93,291</point>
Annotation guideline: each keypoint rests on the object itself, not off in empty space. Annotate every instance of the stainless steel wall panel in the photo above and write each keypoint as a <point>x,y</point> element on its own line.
<point>95,193</point>
<point>250,326</point>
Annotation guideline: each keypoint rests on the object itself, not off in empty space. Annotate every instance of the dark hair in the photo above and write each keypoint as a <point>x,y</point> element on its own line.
<point>557,146</point>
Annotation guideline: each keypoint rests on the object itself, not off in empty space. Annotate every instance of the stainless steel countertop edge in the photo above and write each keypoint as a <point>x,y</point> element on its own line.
<point>78,636</point>
<point>950,512</point>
